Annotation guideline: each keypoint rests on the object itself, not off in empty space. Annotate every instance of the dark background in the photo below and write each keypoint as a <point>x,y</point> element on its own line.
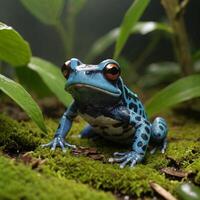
<point>96,19</point>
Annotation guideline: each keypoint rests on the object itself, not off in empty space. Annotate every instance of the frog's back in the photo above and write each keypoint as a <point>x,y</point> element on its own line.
<point>132,102</point>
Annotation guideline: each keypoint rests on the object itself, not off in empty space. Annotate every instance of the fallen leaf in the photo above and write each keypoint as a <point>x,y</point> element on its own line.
<point>89,152</point>
<point>161,191</point>
<point>29,160</point>
<point>174,172</point>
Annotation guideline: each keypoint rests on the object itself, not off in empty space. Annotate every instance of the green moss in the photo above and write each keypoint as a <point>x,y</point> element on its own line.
<point>20,182</point>
<point>103,176</point>
<point>25,136</point>
<point>183,151</point>
<point>16,137</point>
<point>194,168</point>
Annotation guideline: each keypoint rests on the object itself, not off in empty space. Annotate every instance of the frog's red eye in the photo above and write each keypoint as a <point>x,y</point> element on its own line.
<point>112,71</point>
<point>66,69</point>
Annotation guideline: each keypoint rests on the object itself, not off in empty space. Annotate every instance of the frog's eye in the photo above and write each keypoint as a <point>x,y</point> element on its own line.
<point>66,69</point>
<point>112,71</point>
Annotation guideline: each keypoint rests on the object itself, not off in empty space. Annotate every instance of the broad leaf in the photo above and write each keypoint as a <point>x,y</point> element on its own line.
<point>188,191</point>
<point>52,77</point>
<point>47,11</point>
<point>31,81</point>
<point>158,73</point>
<point>13,48</point>
<point>23,99</point>
<point>107,40</point>
<point>177,92</point>
<point>130,19</point>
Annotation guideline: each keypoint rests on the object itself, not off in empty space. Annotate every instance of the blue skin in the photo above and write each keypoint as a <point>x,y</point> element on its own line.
<point>112,111</point>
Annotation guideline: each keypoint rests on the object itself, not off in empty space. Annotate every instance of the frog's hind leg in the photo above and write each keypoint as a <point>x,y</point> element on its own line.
<point>159,134</point>
<point>88,132</point>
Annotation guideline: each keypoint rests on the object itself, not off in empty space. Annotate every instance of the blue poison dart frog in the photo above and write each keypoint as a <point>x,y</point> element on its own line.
<point>111,110</point>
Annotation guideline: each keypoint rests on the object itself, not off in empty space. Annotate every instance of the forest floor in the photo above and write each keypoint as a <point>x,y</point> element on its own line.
<point>28,171</point>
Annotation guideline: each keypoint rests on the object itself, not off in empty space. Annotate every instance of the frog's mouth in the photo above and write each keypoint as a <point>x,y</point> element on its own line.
<point>79,86</point>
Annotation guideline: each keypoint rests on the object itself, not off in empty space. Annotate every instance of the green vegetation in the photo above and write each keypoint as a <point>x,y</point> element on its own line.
<point>24,100</point>
<point>85,173</point>
<point>183,153</point>
<point>15,51</point>
<point>20,182</point>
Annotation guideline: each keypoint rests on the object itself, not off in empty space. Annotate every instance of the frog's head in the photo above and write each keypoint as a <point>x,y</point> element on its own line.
<point>93,84</point>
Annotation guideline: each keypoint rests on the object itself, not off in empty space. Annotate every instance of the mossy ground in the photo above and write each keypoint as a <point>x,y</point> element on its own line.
<point>183,153</point>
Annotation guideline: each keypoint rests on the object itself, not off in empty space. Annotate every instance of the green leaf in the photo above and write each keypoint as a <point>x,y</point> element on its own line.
<point>31,81</point>
<point>47,11</point>
<point>130,19</point>
<point>23,99</point>
<point>13,48</point>
<point>159,73</point>
<point>107,40</point>
<point>177,92</point>
<point>188,191</point>
<point>52,77</point>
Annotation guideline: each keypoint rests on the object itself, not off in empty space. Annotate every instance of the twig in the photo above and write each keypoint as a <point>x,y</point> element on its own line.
<point>160,190</point>
<point>174,11</point>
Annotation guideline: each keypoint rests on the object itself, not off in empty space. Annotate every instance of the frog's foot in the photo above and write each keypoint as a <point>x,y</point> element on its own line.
<point>59,142</point>
<point>162,147</point>
<point>127,158</point>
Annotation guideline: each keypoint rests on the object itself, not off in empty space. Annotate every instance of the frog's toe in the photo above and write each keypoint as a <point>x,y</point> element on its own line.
<point>164,146</point>
<point>133,158</point>
<point>153,150</point>
<point>127,158</point>
<point>70,145</point>
<point>59,142</point>
<point>119,159</point>
<point>54,144</point>
<point>119,154</point>
<point>46,145</point>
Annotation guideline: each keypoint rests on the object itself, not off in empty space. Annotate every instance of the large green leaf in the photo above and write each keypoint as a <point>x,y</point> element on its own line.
<point>13,48</point>
<point>47,11</point>
<point>179,91</point>
<point>107,40</point>
<point>52,77</point>
<point>130,19</point>
<point>23,99</point>
<point>31,81</point>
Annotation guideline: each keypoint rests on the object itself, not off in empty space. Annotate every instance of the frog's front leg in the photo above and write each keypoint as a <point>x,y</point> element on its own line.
<point>139,144</point>
<point>63,128</point>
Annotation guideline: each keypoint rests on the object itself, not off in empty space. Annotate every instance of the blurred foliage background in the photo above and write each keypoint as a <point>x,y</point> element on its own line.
<point>89,29</point>
<point>94,20</point>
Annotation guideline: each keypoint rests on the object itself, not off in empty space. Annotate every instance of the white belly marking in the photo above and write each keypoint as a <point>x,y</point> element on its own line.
<point>108,128</point>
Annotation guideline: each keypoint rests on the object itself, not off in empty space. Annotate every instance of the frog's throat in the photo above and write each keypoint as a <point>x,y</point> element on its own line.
<point>93,88</point>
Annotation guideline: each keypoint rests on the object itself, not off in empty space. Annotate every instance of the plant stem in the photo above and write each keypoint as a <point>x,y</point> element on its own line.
<point>64,38</point>
<point>147,51</point>
<point>175,11</point>
<point>70,25</point>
